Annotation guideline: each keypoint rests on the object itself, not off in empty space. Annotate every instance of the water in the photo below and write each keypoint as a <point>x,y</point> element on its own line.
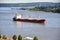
<point>49,31</point>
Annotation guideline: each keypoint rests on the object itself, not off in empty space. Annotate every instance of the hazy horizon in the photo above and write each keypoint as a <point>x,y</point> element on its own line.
<point>28,1</point>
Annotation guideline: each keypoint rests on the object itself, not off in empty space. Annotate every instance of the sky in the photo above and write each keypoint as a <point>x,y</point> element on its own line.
<point>27,1</point>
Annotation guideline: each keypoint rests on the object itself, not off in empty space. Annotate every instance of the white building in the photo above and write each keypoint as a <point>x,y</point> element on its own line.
<point>28,38</point>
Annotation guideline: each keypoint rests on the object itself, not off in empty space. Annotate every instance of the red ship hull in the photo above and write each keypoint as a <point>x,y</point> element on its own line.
<point>30,20</point>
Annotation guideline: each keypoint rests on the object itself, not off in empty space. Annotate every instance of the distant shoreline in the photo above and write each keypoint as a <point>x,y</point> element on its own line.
<point>53,9</point>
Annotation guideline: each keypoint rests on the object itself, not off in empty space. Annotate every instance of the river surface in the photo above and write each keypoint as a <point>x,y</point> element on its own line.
<point>48,31</point>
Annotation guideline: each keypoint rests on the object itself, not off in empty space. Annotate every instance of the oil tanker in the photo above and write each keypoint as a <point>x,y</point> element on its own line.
<point>19,18</point>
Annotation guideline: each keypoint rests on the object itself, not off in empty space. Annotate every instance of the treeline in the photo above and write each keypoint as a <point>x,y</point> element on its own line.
<point>55,9</point>
<point>15,37</point>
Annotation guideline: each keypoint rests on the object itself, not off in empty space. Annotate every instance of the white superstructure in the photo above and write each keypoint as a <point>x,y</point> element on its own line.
<point>18,16</point>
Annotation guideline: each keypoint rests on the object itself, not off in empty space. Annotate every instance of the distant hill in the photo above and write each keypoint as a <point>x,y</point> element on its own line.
<point>34,4</point>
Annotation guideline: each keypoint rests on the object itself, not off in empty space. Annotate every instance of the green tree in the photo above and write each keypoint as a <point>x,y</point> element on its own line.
<point>14,37</point>
<point>19,37</point>
<point>4,37</point>
<point>0,36</point>
<point>35,38</point>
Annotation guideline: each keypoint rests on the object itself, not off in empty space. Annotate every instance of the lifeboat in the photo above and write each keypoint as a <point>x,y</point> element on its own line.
<point>18,18</point>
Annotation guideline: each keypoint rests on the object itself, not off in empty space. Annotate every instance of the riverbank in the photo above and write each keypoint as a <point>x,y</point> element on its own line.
<point>54,9</point>
<point>19,37</point>
<point>6,39</point>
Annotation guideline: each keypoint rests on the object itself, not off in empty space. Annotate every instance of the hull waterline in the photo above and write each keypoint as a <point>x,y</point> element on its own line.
<point>30,20</point>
